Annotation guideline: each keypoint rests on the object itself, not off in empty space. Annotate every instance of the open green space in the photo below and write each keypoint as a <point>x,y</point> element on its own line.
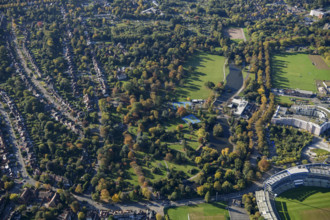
<point>247,36</point>
<point>208,67</point>
<point>210,211</point>
<point>190,137</point>
<point>292,100</point>
<point>296,71</point>
<point>304,203</point>
<point>320,152</point>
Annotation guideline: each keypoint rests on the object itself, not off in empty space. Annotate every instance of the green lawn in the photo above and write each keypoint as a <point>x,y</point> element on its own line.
<point>320,152</point>
<point>208,68</point>
<point>292,100</point>
<point>304,203</point>
<point>296,71</point>
<point>247,36</point>
<point>211,211</point>
<point>191,138</point>
<point>132,177</point>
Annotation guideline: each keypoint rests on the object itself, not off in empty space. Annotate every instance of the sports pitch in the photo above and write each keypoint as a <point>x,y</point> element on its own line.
<point>296,71</point>
<point>304,203</point>
<point>209,211</point>
<point>192,119</point>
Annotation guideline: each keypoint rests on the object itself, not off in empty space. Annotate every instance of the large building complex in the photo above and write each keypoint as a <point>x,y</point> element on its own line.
<point>303,175</point>
<point>313,119</point>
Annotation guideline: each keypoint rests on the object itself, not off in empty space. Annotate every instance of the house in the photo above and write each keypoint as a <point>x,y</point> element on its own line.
<point>66,215</point>
<point>320,13</point>
<point>122,76</point>
<point>54,201</point>
<point>27,195</point>
<point>304,93</point>
<point>45,195</point>
<point>92,215</point>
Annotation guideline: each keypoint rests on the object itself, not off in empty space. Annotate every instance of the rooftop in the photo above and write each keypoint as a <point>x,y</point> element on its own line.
<point>298,169</point>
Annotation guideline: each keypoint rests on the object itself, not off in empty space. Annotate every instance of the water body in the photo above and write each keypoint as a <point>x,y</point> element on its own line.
<point>234,82</point>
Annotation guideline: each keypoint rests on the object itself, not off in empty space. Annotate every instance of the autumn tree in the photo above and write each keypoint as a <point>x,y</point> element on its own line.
<point>79,189</point>
<point>263,165</point>
<point>115,198</point>
<point>181,111</point>
<point>105,195</point>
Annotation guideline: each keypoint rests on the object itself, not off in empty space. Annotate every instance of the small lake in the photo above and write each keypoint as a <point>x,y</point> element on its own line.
<point>234,82</point>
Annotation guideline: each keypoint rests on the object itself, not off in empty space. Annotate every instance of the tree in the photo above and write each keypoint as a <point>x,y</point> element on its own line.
<point>174,196</point>
<point>146,193</point>
<point>75,206</point>
<point>217,130</point>
<point>130,155</point>
<point>169,157</point>
<point>263,165</point>
<point>79,189</point>
<point>105,196</point>
<point>227,186</point>
<point>13,197</point>
<point>115,198</point>
<point>209,85</point>
<point>159,216</point>
<point>81,215</point>
<point>207,197</point>
<point>200,190</point>
<point>181,111</point>
<point>8,185</point>
<point>217,186</point>
<point>198,160</point>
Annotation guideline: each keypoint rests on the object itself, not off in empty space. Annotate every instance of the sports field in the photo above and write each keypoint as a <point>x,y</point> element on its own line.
<point>209,211</point>
<point>208,67</point>
<point>304,203</point>
<point>296,71</point>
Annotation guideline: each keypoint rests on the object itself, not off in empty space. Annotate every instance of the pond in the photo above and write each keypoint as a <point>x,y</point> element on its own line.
<point>234,82</point>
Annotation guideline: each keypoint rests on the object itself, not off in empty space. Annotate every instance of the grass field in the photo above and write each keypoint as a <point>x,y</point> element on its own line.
<point>208,67</point>
<point>320,152</point>
<point>296,71</point>
<point>212,211</point>
<point>247,36</point>
<point>292,100</point>
<point>304,203</point>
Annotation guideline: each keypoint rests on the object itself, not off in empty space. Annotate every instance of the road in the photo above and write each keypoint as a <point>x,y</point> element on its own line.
<point>237,212</point>
<point>42,89</point>
<point>16,150</point>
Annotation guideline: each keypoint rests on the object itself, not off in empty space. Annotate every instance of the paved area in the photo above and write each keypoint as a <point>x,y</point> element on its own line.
<point>236,212</point>
<point>317,143</point>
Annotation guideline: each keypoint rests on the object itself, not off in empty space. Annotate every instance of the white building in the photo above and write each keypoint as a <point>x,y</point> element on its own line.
<point>281,118</point>
<point>318,13</point>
